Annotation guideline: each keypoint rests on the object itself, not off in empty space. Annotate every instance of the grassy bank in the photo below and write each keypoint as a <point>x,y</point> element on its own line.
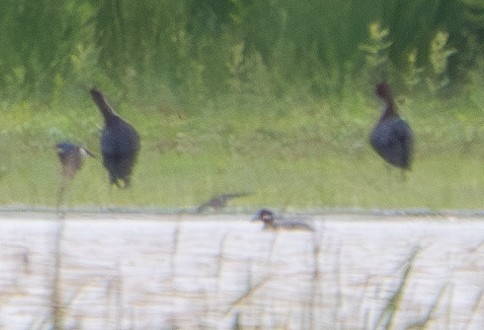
<point>292,152</point>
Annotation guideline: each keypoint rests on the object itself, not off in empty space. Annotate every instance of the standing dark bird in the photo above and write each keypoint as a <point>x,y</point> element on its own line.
<point>272,222</point>
<point>219,202</point>
<point>119,143</point>
<point>392,138</point>
<point>71,157</point>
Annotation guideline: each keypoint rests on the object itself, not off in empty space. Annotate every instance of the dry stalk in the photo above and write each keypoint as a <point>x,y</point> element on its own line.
<point>385,321</point>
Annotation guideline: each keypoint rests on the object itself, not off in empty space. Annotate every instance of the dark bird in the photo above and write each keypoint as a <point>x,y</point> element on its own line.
<point>392,138</point>
<point>219,202</point>
<point>272,222</point>
<point>120,143</point>
<point>71,157</point>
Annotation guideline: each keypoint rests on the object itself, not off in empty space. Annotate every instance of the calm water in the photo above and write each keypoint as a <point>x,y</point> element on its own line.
<point>201,272</point>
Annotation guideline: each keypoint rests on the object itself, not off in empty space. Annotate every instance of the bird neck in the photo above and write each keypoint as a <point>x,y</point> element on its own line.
<point>107,111</point>
<point>389,110</point>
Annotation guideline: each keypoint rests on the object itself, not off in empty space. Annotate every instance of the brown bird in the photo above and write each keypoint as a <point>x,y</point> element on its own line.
<point>71,157</point>
<point>392,138</point>
<point>272,222</point>
<point>120,143</point>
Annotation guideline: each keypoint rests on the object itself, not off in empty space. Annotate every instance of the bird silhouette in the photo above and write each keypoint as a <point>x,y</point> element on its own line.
<point>71,157</point>
<point>219,202</point>
<point>272,222</point>
<point>120,143</point>
<point>392,138</point>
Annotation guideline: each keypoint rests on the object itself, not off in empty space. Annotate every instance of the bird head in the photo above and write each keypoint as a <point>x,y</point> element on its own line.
<point>265,216</point>
<point>65,148</point>
<point>383,91</point>
<point>96,93</point>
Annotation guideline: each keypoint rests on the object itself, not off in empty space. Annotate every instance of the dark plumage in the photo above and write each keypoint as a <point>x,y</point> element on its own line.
<point>120,143</point>
<point>272,222</point>
<point>392,138</point>
<point>219,202</point>
<point>71,157</point>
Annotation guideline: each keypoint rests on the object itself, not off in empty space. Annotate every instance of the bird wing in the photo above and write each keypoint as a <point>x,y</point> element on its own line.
<point>220,201</point>
<point>405,140</point>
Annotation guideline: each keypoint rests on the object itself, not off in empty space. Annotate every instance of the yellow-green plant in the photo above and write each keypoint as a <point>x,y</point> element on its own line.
<point>377,49</point>
<point>439,59</point>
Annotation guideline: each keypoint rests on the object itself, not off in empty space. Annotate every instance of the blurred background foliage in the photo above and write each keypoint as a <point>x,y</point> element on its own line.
<point>197,50</point>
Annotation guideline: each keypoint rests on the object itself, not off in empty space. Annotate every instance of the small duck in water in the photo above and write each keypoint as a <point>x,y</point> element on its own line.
<point>271,222</point>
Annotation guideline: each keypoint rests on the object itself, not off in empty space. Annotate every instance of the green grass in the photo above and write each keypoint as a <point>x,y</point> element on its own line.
<point>292,154</point>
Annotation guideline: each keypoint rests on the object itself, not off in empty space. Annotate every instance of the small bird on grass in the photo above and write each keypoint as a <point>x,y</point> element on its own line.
<point>272,222</point>
<point>120,143</point>
<point>71,157</point>
<point>219,202</point>
<point>392,138</point>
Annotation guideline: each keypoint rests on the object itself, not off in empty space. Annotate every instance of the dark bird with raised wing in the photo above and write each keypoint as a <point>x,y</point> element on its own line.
<point>219,202</point>
<point>120,143</point>
<point>392,138</point>
<point>272,222</point>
